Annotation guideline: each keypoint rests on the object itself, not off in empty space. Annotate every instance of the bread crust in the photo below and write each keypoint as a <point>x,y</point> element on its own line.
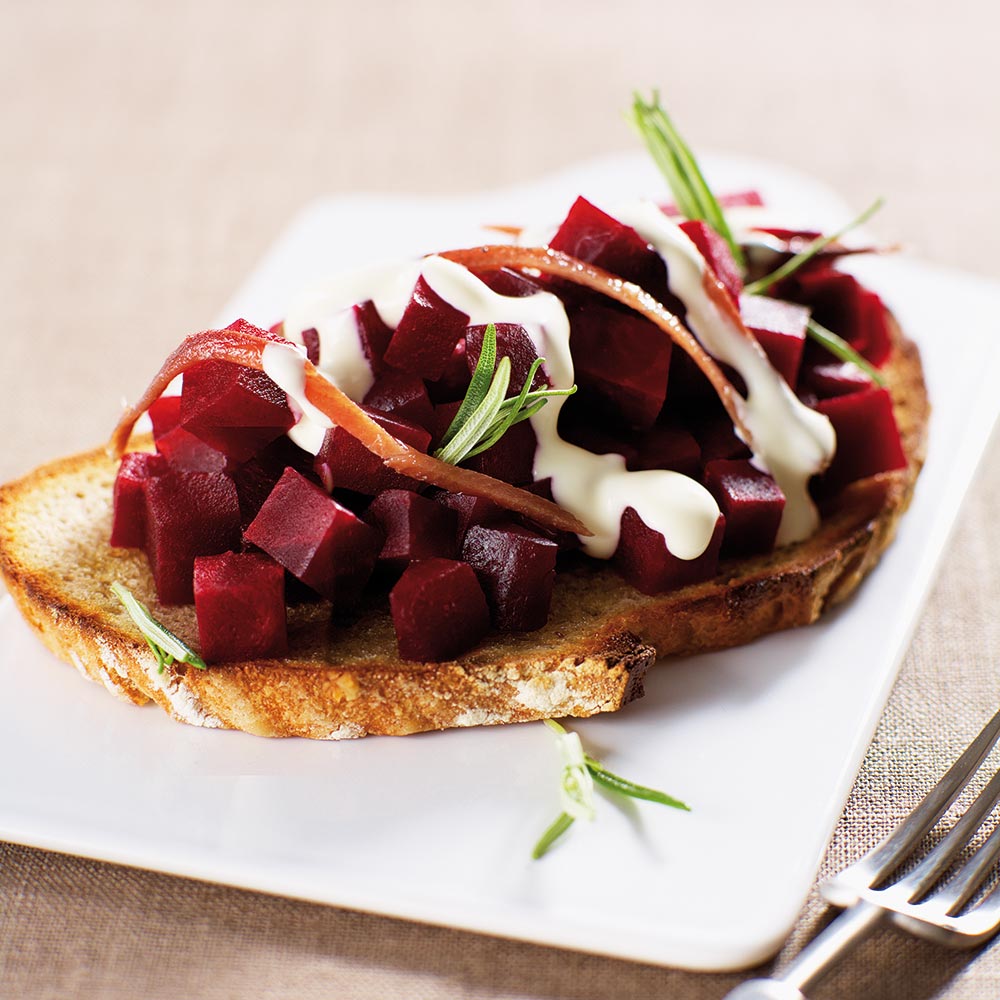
<point>347,681</point>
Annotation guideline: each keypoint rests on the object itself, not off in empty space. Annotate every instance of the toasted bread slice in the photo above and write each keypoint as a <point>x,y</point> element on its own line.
<point>347,681</point>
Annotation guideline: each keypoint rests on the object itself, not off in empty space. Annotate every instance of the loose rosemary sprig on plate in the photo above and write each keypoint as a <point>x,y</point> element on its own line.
<point>486,414</point>
<point>166,647</point>
<point>794,263</point>
<point>580,773</point>
<point>841,349</point>
<point>676,161</point>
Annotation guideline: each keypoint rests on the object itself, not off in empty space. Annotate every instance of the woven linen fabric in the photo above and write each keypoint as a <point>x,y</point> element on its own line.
<point>149,154</point>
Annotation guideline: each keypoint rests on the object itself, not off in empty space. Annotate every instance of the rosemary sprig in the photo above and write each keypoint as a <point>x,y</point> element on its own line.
<point>485,414</point>
<point>794,263</point>
<point>166,647</point>
<point>840,348</point>
<point>580,772</point>
<point>677,163</point>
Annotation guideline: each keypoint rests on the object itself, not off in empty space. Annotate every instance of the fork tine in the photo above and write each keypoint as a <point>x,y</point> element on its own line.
<point>971,876</point>
<point>923,877</point>
<point>885,857</point>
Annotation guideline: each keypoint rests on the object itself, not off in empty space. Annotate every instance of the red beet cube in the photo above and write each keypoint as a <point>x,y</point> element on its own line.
<point>323,544</point>
<point>128,525</point>
<point>234,409</point>
<point>187,514</point>
<point>512,342</point>
<point>310,341</point>
<point>717,438</point>
<point>667,447</point>
<point>576,429</point>
<point>836,379</point>
<point>508,282</point>
<point>344,462</point>
<point>717,255</point>
<point>623,360</point>
<point>780,328</point>
<point>239,599</point>
<point>183,451</point>
<point>165,415</point>
<point>374,334</point>
<point>454,381</point>
<point>439,610</point>
<point>596,238</point>
<point>470,510</point>
<point>414,528</point>
<point>427,334</point>
<point>402,396</point>
<point>752,503</point>
<point>516,568</point>
<point>511,459</point>
<point>841,304</point>
<point>867,438</point>
<point>643,559</point>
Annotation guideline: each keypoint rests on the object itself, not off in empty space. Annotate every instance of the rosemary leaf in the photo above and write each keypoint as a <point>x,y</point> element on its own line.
<point>622,785</point>
<point>820,243</point>
<point>479,420</point>
<point>479,386</point>
<point>165,645</point>
<point>562,823</point>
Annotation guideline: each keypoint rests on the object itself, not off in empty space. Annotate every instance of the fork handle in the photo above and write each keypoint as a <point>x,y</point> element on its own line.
<point>844,934</point>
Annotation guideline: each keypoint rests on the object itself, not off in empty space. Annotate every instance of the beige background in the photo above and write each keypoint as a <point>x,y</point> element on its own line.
<point>149,154</point>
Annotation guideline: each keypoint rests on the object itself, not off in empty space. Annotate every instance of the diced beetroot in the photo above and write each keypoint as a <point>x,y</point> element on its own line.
<point>414,528</point>
<point>596,238</point>
<point>507,282</point>
<point>239,599</point>
<point>717,255</point>
<point>644,560</point>
<point>623,359</point>
<point>667,447</point>
<point>511,459</point>
<point>516,568</point>
<point>255,479</point>
<point>310,340</point>
<point>565,540</point>
<point>401,395</point>
<point>717,439</point>
<point>596,438</point>
<point>187,514</point>
<point>512,342</point>
<point>343,461</point>
<point>444,414</point>
<point>234,409</point>
<point>867,438</point>
<point>780,328</point>
<point>128,525</point>
<point>736,199</point>
<point>374,334</point>
<point>752,503</point>
<point>470,510</point>
<point>841,304</point>
<point>427,334</point>
<point>244,326</point>
<point>439,610</point>
<point>455,379</point>
<point>317,540</point>
<point>836,379</point>
<point>165,415</point>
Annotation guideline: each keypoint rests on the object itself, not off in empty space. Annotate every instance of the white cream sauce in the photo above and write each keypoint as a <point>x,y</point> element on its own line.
<point>790,441</point>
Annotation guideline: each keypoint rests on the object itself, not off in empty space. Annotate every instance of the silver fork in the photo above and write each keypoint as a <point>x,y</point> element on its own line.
<point>921,901</point>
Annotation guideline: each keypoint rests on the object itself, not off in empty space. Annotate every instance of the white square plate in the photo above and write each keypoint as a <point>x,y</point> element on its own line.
<point>764,741</point>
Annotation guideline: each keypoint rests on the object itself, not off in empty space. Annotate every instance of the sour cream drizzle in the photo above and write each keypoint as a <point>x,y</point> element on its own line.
<point>790,441</point>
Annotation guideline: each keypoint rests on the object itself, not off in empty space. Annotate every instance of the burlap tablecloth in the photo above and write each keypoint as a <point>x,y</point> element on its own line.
<point>149,154</point>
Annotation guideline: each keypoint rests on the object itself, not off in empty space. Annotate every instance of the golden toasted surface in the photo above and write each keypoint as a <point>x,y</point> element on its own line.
<point>339,681</point>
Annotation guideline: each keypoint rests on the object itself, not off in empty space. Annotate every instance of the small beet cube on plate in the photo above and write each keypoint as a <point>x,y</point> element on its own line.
<point>374,334</point>
<point>401,395</point>
<point>717,438</point>
<point>343,461</point>
<point>323,544</point>
<point>438,609</point>
<point>234,409</point>
<point>128,524</point>
<point>643,559</point>
<point>511,459</point>
<point>750,500</point>
<point>839,378</point>
<point>414,528</point>
<point>239,599</point>
<point>780,328</point>
<point>717,255</point>
<point>512,342</point>
<point>623,359</point>
<point>470,510</point>
<point>427,334</point>
<point>867,438</point>
<point>187,514</point>
<point>666,446</point>
<point>516,568</point>
<point>183,451</point>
